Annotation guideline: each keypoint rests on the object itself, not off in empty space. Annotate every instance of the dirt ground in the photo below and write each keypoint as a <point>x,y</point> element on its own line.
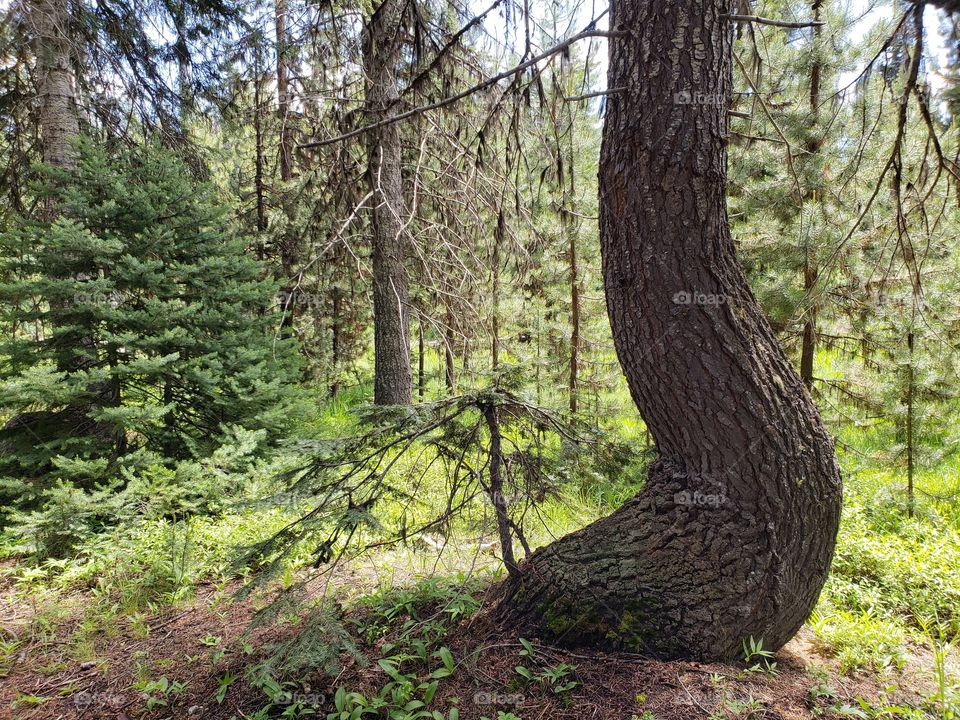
<point>42,680</point>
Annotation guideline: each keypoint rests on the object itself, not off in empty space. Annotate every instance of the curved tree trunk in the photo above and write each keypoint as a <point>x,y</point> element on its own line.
<point>393,382</point>
<point>733,533</point>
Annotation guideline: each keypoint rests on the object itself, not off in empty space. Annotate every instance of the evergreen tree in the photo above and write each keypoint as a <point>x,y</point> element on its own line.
<point>138,287</point>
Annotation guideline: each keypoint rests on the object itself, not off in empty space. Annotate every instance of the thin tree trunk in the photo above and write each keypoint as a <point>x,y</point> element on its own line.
<point>733,533</point>
<point>336,298</point>
<point>421,358</point>
<point>495,299</point>
<point>808,348</point>
<point>283,90</point>
<point>258,163</point>
<point>392,374</point>
<point>497,497</point>
<point>290,241</point>
<point>574,385</point>
<point>910,449</point>
<point>571,232</point>
<point>448,340</point>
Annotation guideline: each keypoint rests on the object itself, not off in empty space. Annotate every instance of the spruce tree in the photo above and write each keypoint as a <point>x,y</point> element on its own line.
<point>140,287</point>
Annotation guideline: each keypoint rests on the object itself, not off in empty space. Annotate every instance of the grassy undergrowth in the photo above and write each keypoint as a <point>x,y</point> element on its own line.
<point>893,594</point>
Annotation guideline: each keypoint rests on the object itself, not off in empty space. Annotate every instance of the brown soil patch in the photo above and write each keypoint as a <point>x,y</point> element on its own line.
<point>183,646</point>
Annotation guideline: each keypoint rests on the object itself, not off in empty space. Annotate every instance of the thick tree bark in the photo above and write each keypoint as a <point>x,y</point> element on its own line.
<point>59,125</point>
<point>392,373</point>
<point>733,533</point>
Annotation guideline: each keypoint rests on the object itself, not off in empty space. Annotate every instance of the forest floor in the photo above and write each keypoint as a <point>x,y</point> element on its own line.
<point>193,661</point>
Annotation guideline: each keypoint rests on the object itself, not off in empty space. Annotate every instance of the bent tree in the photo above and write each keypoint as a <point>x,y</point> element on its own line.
<point>733,533</point>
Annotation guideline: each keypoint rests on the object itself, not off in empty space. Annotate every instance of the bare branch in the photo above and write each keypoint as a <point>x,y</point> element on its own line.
<point>549,52</point>
<point>598,93</point>
<point>775,23</point>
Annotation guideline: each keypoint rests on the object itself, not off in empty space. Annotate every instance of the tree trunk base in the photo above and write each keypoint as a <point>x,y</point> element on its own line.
<point>680,570</point>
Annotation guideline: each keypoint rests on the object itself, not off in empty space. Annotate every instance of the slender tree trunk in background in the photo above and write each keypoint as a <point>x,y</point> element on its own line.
<point>910,448</point>
<point>59,125</point>
<point>490,414</point>
<point>448,340</point>
<point>495,300</point>
<point>574,385</point>
<point>808,348</point>
<point>733,533</point>
<point>181,52</point>
<point>539,360</point>
<point>290,242</point>
<point>283,90</point>
<point>392,374</point>
<point>336,297</point>
<point>258,163</point>
<point>421,364</point>
<point>571,232</point>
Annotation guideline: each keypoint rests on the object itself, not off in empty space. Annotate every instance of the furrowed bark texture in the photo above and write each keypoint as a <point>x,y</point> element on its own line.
<point>392,373</point>
<point>59,126</point>
<point>733,533</point>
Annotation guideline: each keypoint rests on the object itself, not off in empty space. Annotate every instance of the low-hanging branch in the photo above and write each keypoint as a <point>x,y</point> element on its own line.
<point>493,80</point>
<point>346,479</point>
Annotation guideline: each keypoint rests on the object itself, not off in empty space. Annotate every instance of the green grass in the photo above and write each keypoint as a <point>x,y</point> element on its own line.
<point>859,640</point>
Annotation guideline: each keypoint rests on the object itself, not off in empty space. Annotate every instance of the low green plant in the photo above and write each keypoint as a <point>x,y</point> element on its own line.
<point>882,707</point>
<point>945,701</point>
<point>559,677</point>
<point>160,692</point>
<point>756,657</point>
<point>223,685</point>
<point>859,640</point>
<point>737,708</point>
<point>7,650</point>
